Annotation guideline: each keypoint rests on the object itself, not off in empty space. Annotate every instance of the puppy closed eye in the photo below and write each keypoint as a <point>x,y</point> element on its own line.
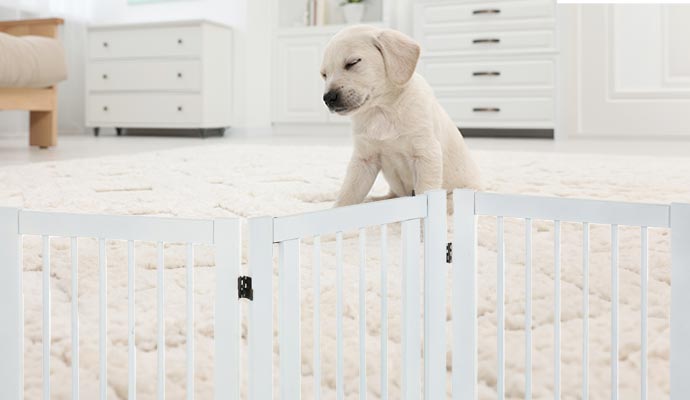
<point>352,63</point>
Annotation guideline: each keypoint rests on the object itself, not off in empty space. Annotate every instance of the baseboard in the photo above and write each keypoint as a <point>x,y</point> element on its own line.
<point>333,129</point>
<point>507,133</point>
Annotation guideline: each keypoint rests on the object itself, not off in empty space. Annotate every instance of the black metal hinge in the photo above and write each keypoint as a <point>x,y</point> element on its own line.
<point>449,252</point>
<point>244,288</point>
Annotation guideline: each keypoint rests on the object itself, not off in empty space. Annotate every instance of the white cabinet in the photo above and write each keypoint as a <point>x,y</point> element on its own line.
<point>299,88</point>
<point>159,75</point>
<point>491,64</point>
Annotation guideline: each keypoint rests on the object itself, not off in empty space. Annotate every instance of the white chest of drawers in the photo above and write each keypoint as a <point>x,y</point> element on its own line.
<point>169,75</point>
<point>492,64</point>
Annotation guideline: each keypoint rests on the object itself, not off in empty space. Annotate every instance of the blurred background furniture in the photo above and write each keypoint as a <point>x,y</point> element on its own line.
<point>160,76</point>
<point>492,64</point>
<point>33,63</point>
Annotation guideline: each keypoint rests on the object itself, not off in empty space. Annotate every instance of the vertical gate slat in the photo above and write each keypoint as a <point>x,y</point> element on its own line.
<point>528,308</point>
<point>261,309</point>
<point>103,318</point>
<point>46,317</point>
<point>411,335</point>
<point>557,310</point>
<point>585,311</point>
<point>190,320</point>
<point>161,322</point>
<point>74,258</point>
<point>680,298</point>
<point>227,240</point>
<point>131,337</point>
<point>317,316</point>
<point>464,305</point>
<point>289,317</point>
<point>614,312</point>
<point>644,283</point>
<point>500,308</point>
<point>362,315</point>
<point>384,312</point>
<point>435,273</point>
<point>11,307</point>
<point>339,384</point>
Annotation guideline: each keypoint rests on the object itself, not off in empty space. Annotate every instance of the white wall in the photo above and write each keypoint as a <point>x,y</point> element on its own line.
<point>625,71</point>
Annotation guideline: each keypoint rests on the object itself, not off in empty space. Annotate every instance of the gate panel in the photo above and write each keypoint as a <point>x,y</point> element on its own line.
<point>261,309</point>
<point>11,307</point>
<point>228,239</point>
<point>464,296</point>
<point>680,299</point>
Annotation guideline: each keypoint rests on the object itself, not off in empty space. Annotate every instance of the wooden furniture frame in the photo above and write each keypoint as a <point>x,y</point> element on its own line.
<point>41,103</point>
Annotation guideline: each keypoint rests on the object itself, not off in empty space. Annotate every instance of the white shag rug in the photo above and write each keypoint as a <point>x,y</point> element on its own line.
<point>252,180</point>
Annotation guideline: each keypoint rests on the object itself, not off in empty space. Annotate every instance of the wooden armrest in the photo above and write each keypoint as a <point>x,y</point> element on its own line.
<point>39,27</point>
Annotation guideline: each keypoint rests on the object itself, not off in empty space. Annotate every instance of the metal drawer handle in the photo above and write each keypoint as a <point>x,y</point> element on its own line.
<point>105,76</point>
<point>486,109</point>
<point>105,108</point>
<point>105,44</point>
<point>486,73</point>
<point>486,40</point>
<point>179,41</point>
<point>179,108</point>
<point>487,11</point>
<point>179,74</point>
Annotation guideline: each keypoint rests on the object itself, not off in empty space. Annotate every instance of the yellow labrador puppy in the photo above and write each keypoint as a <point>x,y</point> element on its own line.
<point>399,127</point>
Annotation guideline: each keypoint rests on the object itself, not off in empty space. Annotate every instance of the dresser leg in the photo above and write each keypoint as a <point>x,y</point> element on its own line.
<point>118,131</point>
<point>96,130</point>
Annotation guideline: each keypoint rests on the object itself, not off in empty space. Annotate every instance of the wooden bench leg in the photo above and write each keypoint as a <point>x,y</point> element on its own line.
<point>43,130</point>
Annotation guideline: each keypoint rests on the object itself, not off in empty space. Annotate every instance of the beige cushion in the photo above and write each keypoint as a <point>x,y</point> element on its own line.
<point>31,61</point>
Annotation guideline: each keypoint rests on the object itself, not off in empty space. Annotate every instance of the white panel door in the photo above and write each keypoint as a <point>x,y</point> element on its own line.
<point>634,71</point>
<point>299,89</point>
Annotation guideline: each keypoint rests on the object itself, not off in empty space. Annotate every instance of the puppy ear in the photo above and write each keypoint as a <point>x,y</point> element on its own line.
<point>400,54</point>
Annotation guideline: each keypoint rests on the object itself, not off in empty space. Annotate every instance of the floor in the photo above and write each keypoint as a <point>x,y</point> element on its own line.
<point>14,148</point>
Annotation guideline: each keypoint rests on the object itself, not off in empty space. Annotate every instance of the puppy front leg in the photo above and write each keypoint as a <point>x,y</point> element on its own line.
<point>360,177</point>
<point>428,169</point>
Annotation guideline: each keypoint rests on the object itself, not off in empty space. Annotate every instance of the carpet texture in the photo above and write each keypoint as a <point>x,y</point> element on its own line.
<point>252,180</point>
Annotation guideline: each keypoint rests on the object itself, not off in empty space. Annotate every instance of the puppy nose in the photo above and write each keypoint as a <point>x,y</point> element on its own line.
<point>331,98</point>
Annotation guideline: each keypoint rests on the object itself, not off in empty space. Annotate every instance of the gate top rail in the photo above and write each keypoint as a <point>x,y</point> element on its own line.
<point>348,218</point>
<point>117,227</point>
<point>573,210</point>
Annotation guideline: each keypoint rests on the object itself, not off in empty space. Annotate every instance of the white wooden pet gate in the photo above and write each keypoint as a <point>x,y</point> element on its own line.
<point>286,232</point>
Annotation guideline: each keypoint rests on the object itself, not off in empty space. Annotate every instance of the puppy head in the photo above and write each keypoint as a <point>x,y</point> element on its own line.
<point>362,63</point>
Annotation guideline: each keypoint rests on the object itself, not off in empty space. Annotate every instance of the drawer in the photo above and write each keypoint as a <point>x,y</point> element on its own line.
<point>485,12</point>
<point>442,72</point>
<point>182,41</point>
<point>488,42</point>
<point>467,110</point>
<point>145,75</point>
<point>145,109</point>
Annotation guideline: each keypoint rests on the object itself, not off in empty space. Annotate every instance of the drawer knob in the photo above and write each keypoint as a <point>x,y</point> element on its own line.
<point>105,76</point>
<point>179,74</point>
<point>486,11</point>
<point>486,40</point>
<point>486,109</point>
<point>105,44</point>
<point>486,73</point>
<point>179,108</point>
<point>179,41</point>
<point>105,108</point>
